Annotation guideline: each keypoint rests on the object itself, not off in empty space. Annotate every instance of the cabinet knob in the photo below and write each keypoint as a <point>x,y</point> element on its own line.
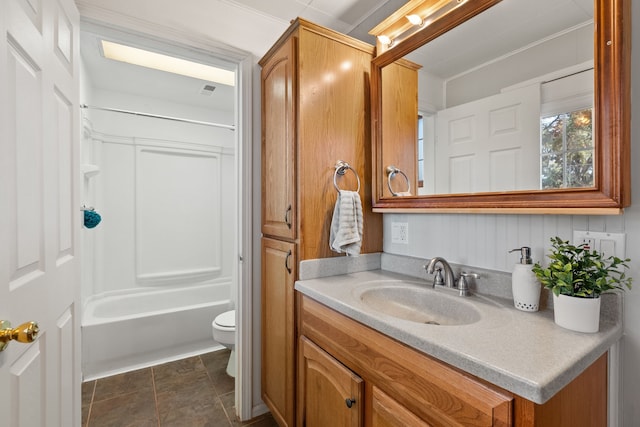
<point>349,402</point>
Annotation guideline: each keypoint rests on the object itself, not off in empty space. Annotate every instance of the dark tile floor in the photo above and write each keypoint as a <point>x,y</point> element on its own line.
<point>192,392</point>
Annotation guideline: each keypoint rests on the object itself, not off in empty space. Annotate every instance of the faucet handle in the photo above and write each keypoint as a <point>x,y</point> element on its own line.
<point>438,279</point>
<point>463,286</point>
<point>437,272</point>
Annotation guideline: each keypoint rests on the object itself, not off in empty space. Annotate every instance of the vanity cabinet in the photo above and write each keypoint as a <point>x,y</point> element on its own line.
<point>330,394</point>
<point>403,386</point>
<point>315,112</point>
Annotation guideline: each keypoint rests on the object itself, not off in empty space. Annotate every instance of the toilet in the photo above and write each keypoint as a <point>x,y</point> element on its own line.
<point>224,332</point>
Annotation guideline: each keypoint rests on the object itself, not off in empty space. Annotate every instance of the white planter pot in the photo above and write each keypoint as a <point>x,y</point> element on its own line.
<point>577,314</point>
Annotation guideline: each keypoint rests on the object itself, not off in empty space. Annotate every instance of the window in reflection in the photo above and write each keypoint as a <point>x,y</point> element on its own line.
<point>567,150</point>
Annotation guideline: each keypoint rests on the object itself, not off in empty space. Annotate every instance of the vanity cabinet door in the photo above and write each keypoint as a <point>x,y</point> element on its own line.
<point>329,393</point>
<point>278,329</point>
<point>387,412</point>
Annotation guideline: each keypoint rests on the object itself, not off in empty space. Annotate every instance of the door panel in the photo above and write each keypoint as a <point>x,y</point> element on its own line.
<point>39,210</point>
<point>492,144</point>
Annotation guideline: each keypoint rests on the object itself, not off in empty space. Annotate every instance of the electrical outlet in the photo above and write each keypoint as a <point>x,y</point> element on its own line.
<point>400,232</point>
<point>588,242</point>
<point>610,244</point>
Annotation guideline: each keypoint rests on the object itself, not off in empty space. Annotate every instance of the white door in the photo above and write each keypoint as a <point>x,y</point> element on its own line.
<point>39,211</point>
<point>492,144</point>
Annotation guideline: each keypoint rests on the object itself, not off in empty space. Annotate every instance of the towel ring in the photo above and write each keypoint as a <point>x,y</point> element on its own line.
<point>341,168</point>
<point>391,172</point>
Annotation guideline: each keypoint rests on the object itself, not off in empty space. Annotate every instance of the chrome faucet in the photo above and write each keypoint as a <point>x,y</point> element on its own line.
<point>449,278</point>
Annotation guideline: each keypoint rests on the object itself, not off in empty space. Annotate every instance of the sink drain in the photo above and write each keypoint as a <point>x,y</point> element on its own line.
<point>431,322</point>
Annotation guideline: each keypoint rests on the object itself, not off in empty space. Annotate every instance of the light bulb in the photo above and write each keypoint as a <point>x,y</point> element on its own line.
<point>415,19</point>
<point>385,40</point>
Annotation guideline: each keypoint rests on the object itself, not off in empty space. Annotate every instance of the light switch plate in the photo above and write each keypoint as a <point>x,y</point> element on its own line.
<point>607,243</point>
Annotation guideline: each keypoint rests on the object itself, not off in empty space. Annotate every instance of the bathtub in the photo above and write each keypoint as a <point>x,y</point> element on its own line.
<point>125,331</point>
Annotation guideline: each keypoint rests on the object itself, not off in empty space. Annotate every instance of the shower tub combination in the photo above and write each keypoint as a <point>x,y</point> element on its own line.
<point>152,291</point>
<point>123,331</point>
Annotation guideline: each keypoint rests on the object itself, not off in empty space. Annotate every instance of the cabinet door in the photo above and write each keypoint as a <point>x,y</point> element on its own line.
<point>387,412</point>
<point>278,329</point>
<point>279,208</point>
<point>400,126</point>
<point>330,394</point>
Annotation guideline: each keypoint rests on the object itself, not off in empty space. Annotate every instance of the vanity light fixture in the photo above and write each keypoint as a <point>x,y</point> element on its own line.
<point>410,19</point>
<point>170,64</point>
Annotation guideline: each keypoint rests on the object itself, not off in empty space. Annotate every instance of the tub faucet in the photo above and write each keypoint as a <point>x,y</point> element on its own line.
<point>449,278</point>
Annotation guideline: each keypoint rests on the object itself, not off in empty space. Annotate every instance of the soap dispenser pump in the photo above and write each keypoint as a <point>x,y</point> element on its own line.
<point>524,283</point>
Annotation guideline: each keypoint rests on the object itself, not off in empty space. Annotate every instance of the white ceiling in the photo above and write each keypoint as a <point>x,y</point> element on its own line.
<point>108,75</point>
<point>260,22</point>
<point>502,30</point>
<point>348,16</point>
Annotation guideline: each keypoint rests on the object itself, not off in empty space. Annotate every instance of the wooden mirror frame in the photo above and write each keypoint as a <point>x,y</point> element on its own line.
<point>612,104</point>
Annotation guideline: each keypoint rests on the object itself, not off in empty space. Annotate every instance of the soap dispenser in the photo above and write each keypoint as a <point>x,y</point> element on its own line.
<point>524,283</point>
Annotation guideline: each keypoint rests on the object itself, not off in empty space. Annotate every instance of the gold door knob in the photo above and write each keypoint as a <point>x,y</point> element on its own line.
<point>25,333</point>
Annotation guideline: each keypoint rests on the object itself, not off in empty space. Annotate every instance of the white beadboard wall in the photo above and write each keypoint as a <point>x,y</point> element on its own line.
<point>485,240</point>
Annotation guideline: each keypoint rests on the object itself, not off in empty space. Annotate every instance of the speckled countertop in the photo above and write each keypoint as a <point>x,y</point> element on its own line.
<point>525,353</point>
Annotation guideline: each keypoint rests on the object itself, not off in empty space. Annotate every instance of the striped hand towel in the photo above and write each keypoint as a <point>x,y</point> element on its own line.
<point>346,224</point>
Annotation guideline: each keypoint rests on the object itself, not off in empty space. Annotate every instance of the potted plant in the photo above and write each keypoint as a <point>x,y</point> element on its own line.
<point>577,276</point>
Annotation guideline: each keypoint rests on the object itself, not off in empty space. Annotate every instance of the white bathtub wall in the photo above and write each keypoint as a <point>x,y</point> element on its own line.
<point>146,127</point>
<point>88,184</point>
<point>166,193</point>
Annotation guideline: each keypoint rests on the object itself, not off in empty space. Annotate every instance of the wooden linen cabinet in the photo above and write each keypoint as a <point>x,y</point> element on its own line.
<point>315,112</point>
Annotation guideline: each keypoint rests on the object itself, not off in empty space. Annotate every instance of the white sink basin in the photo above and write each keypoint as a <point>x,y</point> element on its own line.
<point>418,304</point>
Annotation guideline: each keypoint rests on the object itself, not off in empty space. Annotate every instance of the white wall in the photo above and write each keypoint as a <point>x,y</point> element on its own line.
<point>569,49</point>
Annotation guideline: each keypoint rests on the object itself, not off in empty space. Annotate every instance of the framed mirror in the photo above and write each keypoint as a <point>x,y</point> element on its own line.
<point>507,106</point>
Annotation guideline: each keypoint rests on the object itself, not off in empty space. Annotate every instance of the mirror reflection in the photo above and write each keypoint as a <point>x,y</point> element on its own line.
<point>503,102</point>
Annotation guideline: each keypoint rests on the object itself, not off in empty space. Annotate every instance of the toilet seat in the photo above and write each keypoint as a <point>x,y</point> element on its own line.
<point>226,321</point>
<point>224,332</point>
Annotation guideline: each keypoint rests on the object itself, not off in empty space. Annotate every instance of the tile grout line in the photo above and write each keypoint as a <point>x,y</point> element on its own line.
<point>93,393</point>
<point>155,394</point>
<point>213,384</point>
